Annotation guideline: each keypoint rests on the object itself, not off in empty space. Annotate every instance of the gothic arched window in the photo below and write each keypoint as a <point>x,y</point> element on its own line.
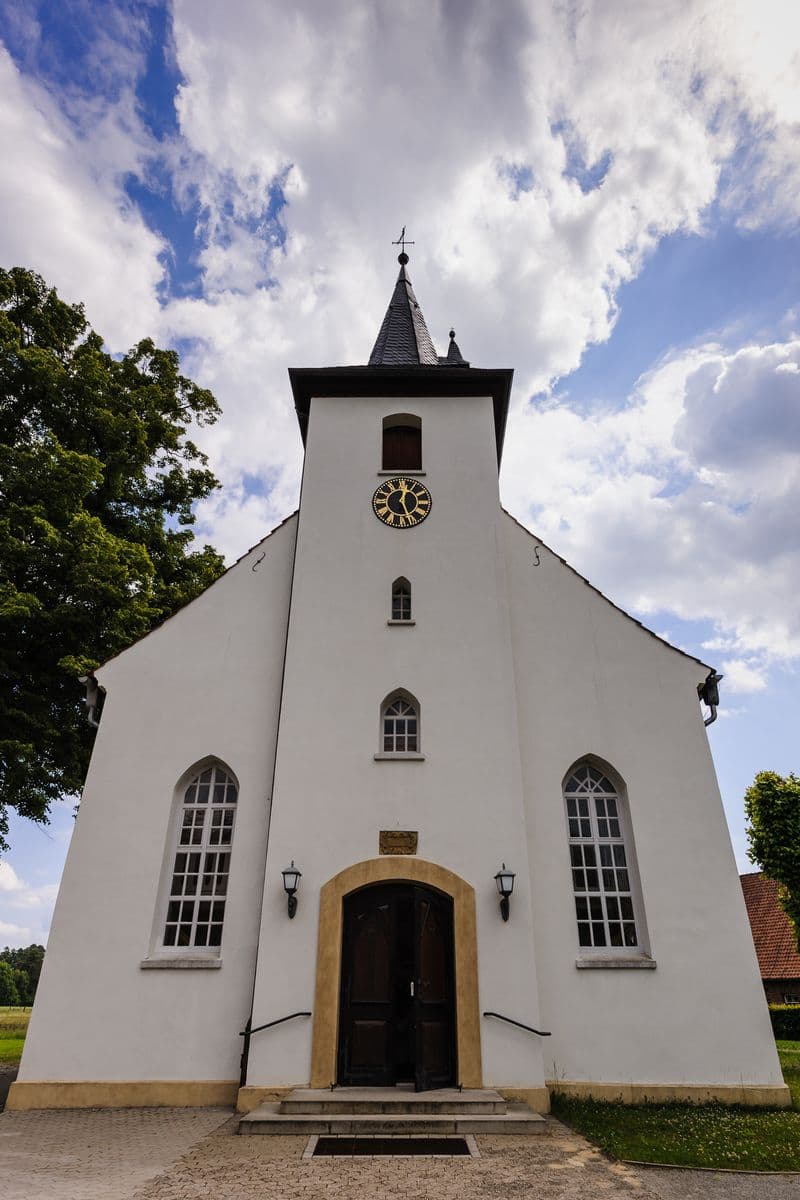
<point>601,858</point>
<point>401,600</point>
<point>199,880</point>
<point>402,443</point>
<point>400,725</point>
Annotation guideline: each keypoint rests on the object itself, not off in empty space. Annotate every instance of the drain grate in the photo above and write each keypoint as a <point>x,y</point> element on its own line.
<point>370,1146</point>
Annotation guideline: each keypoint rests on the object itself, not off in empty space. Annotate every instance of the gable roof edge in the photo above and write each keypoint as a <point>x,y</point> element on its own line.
<point>602,595</point>
<point>227,571</point>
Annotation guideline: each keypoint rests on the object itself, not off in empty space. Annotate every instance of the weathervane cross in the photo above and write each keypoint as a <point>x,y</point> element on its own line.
<point>402,241</point>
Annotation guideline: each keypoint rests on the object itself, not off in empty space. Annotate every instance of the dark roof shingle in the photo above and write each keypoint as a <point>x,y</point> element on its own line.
<point>403,339</point>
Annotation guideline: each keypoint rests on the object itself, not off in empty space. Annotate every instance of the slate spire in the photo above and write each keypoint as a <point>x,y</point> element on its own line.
<point>454,355</point>
<point>403,339</point>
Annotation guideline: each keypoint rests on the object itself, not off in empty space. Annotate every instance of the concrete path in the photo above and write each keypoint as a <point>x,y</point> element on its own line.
<point>719,1185</point>
<point>194,1154</point>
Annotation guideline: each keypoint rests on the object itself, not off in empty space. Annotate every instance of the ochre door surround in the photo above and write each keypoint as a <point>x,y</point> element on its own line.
<point>329,955</point>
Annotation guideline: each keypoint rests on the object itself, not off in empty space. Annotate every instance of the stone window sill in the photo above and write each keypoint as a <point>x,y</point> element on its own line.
<point>180,964</point>
<point>401,622</point>
<point>399,757</point>
<point>640,963</point>
<point>400,471</point>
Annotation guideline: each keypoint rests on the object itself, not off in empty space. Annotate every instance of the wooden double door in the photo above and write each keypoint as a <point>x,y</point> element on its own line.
<point>397,1000</point>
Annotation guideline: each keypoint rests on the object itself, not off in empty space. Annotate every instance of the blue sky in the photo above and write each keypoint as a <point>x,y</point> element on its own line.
<point>610,207</point>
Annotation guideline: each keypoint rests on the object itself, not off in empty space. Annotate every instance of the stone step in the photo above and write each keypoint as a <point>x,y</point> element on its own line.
<point>395,1100</point>
<point>267,1120</point>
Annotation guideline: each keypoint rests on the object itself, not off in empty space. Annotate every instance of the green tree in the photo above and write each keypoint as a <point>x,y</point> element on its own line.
<point>21,983</point>
<point>8,987</point>
<point>26,963</point>
<point>772,805</point>
<point>97,484</point>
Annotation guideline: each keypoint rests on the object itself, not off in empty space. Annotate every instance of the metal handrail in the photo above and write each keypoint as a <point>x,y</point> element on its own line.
<point>248,1032</point>
<point>511,1021</point>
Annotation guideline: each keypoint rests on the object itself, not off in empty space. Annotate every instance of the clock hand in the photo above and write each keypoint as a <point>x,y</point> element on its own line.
<point>403,493</point>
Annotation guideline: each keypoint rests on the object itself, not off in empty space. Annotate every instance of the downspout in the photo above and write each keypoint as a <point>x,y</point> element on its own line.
<point>708,692</point>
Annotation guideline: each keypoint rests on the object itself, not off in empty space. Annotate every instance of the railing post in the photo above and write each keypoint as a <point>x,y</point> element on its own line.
<point>245,1053</point>
<point>247,1033</point>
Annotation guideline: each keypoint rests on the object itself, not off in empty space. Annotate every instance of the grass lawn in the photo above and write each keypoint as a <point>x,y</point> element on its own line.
<point>710,1135</point>
<point>789,1054</point>
<point>13,1027</point>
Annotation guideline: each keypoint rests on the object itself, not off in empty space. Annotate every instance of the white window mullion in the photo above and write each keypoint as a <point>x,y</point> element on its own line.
<point>601,870</point>
<point>198,884</point>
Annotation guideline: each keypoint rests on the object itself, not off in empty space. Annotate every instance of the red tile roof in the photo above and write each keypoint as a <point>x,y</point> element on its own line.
<point>778,957</point>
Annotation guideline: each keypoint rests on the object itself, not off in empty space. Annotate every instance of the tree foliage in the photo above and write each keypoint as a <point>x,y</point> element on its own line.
<point>25,963</point>
<point>8,985</point>
<point>772,805</point>
<point>97,483</point>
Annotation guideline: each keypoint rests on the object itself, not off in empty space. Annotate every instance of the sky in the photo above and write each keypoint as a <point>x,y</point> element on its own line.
<point>603,196</point>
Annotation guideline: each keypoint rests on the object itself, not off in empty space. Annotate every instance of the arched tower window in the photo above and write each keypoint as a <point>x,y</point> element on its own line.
<point>401,600</point>
<point>601,858</point>
<point>199,881</point>
<point>402,443</point>
<point>400,724</point>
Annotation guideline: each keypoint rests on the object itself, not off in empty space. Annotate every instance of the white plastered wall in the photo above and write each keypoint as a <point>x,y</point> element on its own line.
<point>331,797</point>
<point>206,683</point>
<point>589,680</point>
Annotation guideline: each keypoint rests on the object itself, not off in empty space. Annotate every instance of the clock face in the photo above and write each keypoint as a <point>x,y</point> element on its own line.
<point>401,502</point>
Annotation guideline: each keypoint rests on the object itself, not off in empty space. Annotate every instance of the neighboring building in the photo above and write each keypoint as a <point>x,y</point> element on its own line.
<point>402,692</point>
<point>776,947</point>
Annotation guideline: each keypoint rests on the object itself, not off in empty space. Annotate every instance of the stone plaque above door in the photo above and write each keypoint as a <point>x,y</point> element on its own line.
<point>398,841</point>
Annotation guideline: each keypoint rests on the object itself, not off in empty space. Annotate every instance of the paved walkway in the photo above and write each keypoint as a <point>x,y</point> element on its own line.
<point>194,1154</point>
<point>95,1154</point>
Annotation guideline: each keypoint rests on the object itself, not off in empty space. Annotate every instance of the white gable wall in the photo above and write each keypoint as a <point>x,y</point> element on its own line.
<point>206,683</point>
<point>589,680</point>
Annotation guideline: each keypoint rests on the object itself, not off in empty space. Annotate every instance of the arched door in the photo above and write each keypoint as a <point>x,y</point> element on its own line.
<point>397,998</point>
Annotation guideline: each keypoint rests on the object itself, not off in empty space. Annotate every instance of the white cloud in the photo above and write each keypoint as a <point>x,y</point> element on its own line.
<point>481,135</point>
<point>9,880</point>
<point>684,501</point>
<point>19,935</point>
<point>65,213</point>
<point>742,677</point>
<point>25,909</point>
<point>17,893</point>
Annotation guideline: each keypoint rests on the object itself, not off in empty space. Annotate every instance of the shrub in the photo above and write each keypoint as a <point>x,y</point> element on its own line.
<point>785,1021</point>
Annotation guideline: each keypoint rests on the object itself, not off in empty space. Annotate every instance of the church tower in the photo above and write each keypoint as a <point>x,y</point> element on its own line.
<point>398,720</point>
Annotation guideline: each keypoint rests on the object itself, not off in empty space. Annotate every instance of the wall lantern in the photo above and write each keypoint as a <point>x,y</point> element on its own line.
<point>291,878</point>
<point>505,886</point>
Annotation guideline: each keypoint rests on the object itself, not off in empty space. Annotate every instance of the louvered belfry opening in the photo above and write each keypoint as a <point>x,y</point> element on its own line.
<point>402,448</point>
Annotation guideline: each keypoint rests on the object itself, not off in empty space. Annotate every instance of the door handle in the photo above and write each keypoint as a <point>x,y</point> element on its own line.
<point>411,985</point>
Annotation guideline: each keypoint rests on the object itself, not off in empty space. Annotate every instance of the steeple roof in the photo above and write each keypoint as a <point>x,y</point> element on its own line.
<point>403,339</point>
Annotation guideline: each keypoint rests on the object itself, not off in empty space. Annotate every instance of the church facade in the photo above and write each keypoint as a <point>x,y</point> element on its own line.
<point>311,785</point>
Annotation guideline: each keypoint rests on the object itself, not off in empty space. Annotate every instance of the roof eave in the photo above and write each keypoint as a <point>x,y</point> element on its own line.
<point>308,382</point>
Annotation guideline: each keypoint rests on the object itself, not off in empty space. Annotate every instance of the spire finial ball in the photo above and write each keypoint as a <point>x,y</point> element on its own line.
<point>402,258</point>
<point>452,335</point>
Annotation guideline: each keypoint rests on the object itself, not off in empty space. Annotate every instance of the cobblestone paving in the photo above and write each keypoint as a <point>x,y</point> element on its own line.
<point>95,1154</point>
<point>554,1166</point>
<point>194,1154</point>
